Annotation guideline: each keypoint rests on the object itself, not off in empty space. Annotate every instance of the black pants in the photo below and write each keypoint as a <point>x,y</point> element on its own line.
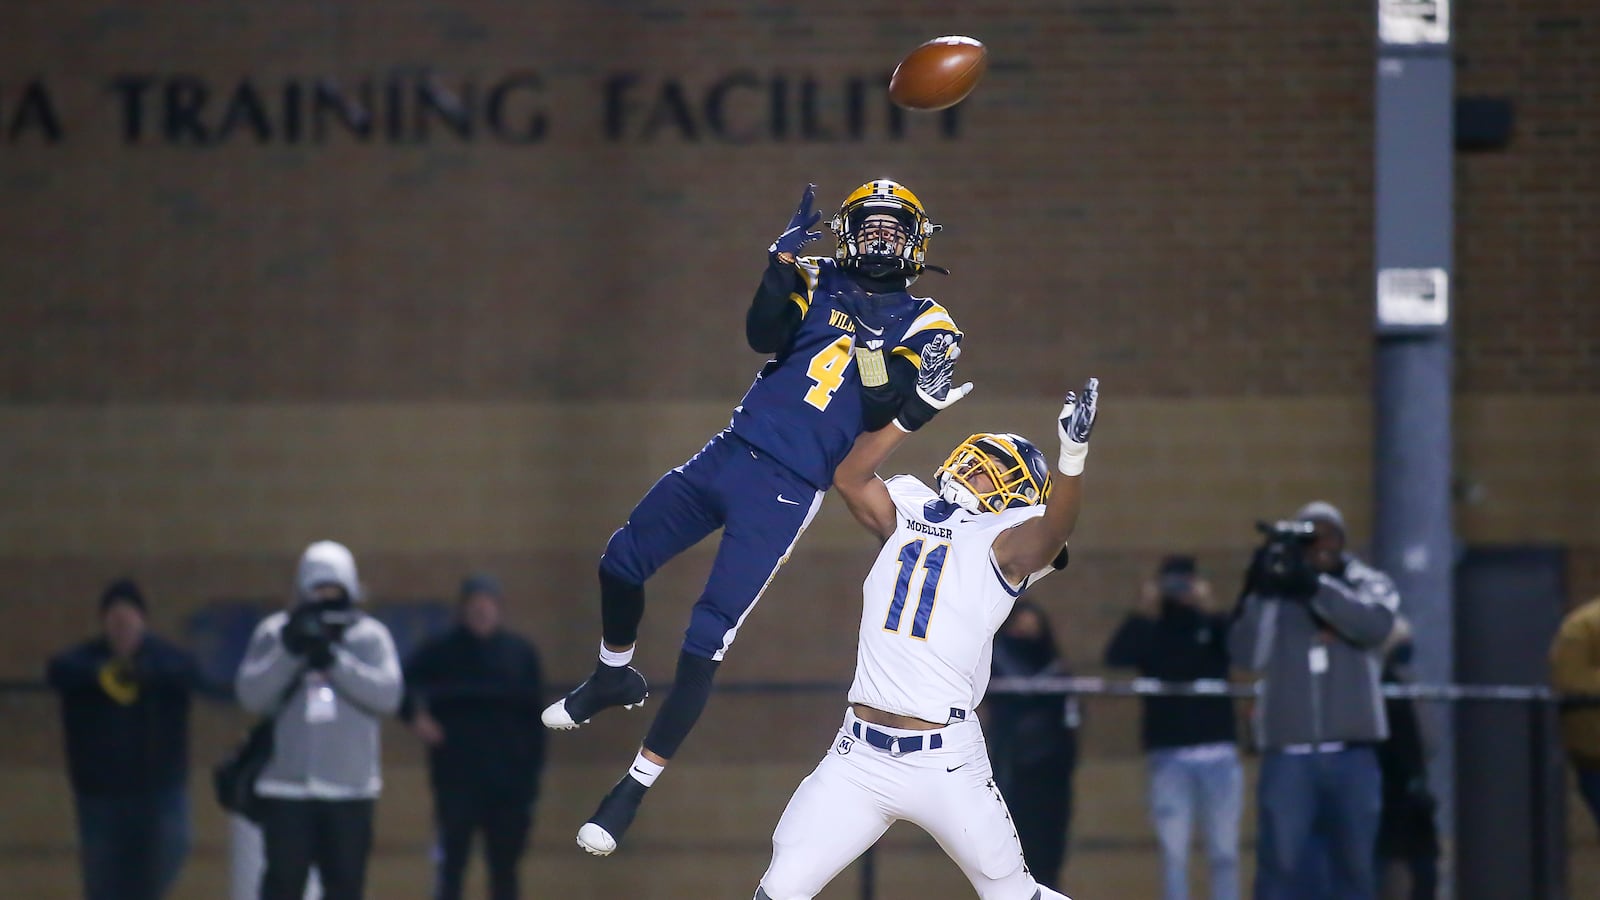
<point>333,835</point>
<point>1038,792</point>
<point>504,817</point>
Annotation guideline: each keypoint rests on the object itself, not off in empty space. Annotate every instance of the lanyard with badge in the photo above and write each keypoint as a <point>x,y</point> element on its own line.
<point>321,705</point>
<point>1317,658</point>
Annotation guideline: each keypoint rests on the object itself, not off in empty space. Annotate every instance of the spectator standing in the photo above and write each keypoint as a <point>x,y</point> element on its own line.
<point>1575,669</point>
<point>1311,624</point>
<point>1033,742</point>
<point>125,716</point>
<point>331,674</point>
<point>1408,839</point>
<point>474,695</point>
<point>1190,743</point>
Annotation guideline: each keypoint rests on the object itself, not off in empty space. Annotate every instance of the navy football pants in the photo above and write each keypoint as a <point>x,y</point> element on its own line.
<point>762,507</point>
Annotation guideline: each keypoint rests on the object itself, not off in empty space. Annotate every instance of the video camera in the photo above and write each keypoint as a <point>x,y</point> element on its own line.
<point>1283,555</point>
<point>318,623</point>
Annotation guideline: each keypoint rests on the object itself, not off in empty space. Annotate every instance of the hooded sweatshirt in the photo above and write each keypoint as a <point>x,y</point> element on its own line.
<point>326,734</point>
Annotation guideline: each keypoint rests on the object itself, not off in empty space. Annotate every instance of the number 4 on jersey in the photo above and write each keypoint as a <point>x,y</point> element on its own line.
<point>827,370</point>
<point>910,555</point>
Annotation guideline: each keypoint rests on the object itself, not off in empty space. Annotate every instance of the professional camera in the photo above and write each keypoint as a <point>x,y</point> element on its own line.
<point>316,625</point>
<point>1281,561</point>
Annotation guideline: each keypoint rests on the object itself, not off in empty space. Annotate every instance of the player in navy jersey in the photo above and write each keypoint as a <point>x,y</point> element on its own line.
<point>847,340</point>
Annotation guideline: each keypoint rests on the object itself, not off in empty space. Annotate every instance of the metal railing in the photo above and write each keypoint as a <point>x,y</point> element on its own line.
<point>1538,700</point>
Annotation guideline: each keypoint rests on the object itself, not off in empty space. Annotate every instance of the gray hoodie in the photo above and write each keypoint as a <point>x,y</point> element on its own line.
<point>1318,688</point>
<point>326,735</point>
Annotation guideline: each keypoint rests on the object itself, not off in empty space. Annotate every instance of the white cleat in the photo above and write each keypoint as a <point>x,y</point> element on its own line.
<point>596,840</point>
<point>556,716</point>
<point>622,686</point>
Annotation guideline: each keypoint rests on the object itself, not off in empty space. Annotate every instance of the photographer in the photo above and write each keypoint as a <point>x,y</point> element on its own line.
<point>1196,782</point>
<point>329,674</point>
<point>1311,624</point>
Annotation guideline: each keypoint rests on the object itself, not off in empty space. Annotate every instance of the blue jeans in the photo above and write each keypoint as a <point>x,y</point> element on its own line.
<point>1205,791</point>
<point>1335,796</point>
<point>132,846</point>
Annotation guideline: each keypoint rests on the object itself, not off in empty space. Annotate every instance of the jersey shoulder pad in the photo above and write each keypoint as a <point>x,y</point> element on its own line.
<point>931,319</point>
<point>810,269</point>
<point>909,494</point>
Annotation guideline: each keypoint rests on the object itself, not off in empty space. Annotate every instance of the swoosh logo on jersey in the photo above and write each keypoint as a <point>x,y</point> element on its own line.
<point>953,768</point>
<point>870,329</point>
<point>783,499</point>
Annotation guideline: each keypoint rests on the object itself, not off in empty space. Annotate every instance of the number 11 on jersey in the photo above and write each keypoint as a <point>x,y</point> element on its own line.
<point>933,566</point>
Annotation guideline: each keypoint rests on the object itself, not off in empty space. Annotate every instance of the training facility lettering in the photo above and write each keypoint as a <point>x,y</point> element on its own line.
<point>521,108</point>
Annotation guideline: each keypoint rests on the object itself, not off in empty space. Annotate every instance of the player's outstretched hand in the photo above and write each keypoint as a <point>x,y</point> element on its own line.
<point>1074,425</point>
<point>797,235</point>
<point>935,372</point>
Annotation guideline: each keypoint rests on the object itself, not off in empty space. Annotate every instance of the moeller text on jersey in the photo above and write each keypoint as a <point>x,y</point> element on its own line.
<point>914,525</point>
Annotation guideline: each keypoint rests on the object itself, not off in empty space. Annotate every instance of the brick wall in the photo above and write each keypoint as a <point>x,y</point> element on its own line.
<point>1525,254</point>
<point>218,342</point>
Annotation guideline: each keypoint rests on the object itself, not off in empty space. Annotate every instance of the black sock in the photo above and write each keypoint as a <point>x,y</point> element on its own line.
<point>621,608</point>
<point>690,691</point>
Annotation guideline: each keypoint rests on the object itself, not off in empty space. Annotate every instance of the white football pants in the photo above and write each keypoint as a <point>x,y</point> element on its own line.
<point>858,791</point>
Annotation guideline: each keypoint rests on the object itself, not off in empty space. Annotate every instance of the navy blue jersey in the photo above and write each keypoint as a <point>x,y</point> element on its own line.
<point>805,406</point>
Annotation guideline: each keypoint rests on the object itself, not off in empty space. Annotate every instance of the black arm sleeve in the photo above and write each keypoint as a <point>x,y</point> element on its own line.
<point>880,404</point>
<point>773,317</point>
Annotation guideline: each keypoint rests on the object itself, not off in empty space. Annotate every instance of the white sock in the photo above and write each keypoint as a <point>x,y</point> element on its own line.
<point>644,771</point>
<point>615,658</point>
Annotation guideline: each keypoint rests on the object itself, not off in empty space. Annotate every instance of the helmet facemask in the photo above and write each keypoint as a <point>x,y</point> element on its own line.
<point>1011,481</point>
<point>882,231</point>
<point>879,240</point>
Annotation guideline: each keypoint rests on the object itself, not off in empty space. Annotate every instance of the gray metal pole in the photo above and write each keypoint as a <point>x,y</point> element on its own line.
<point>1413,538</point>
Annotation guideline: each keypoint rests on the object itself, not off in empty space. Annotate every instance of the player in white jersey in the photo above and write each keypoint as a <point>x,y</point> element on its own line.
<point>953,562</point>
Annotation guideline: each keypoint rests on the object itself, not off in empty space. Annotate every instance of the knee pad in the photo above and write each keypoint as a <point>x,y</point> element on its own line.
<point>621,558</point>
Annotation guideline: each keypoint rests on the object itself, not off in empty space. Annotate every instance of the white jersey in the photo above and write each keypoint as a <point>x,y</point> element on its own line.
<point>931,605</point>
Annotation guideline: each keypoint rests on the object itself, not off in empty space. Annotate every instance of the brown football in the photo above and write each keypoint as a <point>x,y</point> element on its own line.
<point>939,74</point>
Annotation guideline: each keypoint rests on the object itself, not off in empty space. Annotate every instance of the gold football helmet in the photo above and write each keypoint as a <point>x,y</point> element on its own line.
<point>881,250</point>
<point>1019,475</point>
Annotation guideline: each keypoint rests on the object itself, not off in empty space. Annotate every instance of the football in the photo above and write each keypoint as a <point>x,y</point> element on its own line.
<point>939,74</point>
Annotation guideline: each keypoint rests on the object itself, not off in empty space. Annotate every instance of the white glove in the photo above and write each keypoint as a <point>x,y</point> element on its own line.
<point>934,393</point>
<point>1074,425</point>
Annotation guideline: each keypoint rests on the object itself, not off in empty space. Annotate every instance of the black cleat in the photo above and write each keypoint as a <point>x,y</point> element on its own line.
<point>604,830</point>
<point>609,686</point>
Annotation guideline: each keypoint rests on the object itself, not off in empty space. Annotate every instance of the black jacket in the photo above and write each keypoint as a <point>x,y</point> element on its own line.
<point>486,695</point>
<point>1029,729</point>
<point>138,740</point>
<point>1182,645</point>
<point>1405,827</point>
